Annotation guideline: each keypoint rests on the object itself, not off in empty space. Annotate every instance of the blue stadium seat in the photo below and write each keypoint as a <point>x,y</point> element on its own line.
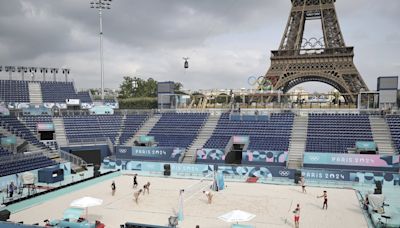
<point>178,129</point>
<point>266,134</point>
<point>335,133</point>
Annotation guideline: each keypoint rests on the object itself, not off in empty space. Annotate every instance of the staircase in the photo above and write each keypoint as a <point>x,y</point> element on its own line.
<point>381,135</point>
<point>121,129</point>
<point>35,93</point>
<point>204,134</point>
<point>297,144</point>
<point>61,136</point>
<point>145,129</point>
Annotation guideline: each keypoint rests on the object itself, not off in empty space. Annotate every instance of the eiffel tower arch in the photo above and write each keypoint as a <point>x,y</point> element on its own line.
<point>326,59</point>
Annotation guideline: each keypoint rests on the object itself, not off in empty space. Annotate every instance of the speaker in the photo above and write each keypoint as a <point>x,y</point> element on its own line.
<point>4,215</point>
<point>167,170</point>
<point>297,176</point>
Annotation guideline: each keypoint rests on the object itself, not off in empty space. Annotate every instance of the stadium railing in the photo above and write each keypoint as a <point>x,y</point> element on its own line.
<point>72,158</point>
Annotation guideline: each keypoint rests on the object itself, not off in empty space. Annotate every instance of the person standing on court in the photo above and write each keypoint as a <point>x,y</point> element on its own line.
<point>135,183</point>
<point>209,196</point>
<point>136,195</point>
<point>11,188</point>
<point>297,216</point>
<point>113,188</point>
<point>303,184</point>
<point>325,195</point>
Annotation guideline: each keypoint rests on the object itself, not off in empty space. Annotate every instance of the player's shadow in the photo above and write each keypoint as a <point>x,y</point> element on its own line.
<point>287,222</point>
<point>315,205</point>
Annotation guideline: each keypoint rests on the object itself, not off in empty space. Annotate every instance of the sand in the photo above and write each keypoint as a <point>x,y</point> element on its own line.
<point>272,205</point>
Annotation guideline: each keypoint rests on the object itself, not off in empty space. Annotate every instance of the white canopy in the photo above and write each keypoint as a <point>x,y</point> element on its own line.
<point>237,216</point>
<point>86,202</point>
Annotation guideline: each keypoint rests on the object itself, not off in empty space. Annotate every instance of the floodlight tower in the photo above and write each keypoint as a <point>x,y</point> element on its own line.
<point>66,73</point>
<point>33,70</point>
<point>43,70</point>
<point>101,5</point>
<point>54,71</point>
<point>10,70</point>
<point>22,70</point>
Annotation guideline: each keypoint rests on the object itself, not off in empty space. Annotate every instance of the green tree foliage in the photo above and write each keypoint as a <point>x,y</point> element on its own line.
<point>138,103</point>
<point>137,87</point>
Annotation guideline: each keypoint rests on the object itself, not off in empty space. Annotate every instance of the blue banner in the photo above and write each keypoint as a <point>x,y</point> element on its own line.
<point>146,139</point>
<point>149,153</point>
<point>368,160</point>
<point>365,146</point>
<point>325,174</point>
<point>9,140</point>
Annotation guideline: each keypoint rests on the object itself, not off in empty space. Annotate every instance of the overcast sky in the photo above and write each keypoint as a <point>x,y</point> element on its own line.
<point>227,40</point>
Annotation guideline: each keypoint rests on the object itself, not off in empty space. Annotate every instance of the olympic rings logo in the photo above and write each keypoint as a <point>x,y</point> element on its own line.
<point>284,173</point>
<point>123,151</point>
<point>314,158</point>
<point>261,83</point>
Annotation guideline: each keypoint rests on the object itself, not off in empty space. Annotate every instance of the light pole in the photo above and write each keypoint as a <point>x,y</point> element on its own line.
<point>54,71</point>
<point>43,70</point>
<point>22,70</point>
<point>66,73</point>
<point>101,5</point>
<point>10,70</point>
<point>33,70</point>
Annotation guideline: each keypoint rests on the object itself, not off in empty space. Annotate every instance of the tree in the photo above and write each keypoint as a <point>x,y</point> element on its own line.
<point>137,87</point>
<point>178,86</point>
<point>126,88</point>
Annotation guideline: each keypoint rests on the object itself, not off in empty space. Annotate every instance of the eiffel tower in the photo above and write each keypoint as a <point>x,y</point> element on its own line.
<point>327,59</point>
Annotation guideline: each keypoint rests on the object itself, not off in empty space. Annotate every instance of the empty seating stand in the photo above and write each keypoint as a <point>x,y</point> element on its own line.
<point>132,124</point>
<point>335,133</point>
<point>393,122</point>
<point>84,97</point>
<point>57,92</point>
<point>31,121</point>
<point>14,91</point>
<point>13,125</point>
<point>178,129</point>
<point>272,134</point>
<point>79,128</point>
<point>21,164</point>
<point>4,152</point>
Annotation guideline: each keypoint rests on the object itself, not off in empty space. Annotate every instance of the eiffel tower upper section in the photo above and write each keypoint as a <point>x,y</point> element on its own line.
<point>327,59</point>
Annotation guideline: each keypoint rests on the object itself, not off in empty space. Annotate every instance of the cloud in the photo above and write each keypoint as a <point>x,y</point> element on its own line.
<point>226,40</point>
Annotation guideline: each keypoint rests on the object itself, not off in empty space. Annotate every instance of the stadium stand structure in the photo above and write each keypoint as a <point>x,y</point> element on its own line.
<point>178,129</point>
<point>84,97</point>
<point>14,91</point>
<point>81,128</point>
<point>131,125</point>
<point>297,142</point>
<point>16,127</point>
<point>37,92</point>
<point>273,134</point>
<point>58,92</point>
<point>20,163</point>
<point>144,129</point>
<point>336,133</point>
<point>381,135</point>
<point>393,122</point>
<point>204,134</point>
<point>31,121</point>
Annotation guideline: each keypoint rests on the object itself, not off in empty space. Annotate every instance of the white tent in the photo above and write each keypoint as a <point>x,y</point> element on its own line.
<point>86,202</point>
<point>237,216</point>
